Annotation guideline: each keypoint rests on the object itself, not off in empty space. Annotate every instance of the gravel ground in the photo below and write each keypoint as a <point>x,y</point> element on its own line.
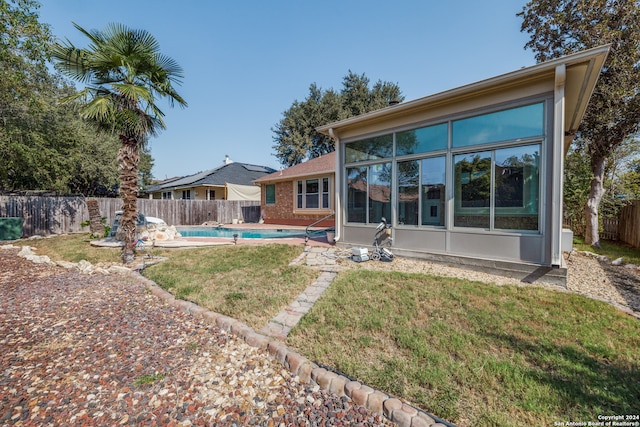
<point>101,350</point>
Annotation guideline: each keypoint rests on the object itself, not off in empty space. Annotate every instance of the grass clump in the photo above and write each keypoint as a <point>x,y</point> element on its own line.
<point>249,283</point>
<point>147,379</point>
<point>610,249</point>
<point>73,248</point>
<point>477,354</point>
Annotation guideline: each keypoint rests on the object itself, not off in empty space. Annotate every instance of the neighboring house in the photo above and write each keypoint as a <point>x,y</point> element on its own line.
<point>473,174</point>
<point>301,194</point>
<point>231,181</point>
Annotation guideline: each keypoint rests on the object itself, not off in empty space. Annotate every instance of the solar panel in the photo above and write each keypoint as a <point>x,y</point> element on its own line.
<point>255,168</point>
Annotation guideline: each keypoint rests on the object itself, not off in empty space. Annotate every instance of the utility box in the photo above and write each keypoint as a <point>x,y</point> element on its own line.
<point>567,240</point>
<point>10,228</point>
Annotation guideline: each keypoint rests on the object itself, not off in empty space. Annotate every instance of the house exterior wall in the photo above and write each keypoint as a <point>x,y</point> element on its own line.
<point>455,237</point>
<point>284,210</point>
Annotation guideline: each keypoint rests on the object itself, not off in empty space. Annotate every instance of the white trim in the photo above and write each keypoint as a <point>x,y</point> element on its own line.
<point>337,186</point>
<point>558,164</point>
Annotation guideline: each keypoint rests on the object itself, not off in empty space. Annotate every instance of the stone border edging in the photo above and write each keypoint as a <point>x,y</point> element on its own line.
<point>308,372</point>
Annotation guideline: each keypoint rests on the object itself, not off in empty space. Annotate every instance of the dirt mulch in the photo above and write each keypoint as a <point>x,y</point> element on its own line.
<point>101,350</point>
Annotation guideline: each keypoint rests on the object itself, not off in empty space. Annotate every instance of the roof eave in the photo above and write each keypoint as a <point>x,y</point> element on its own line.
<point>268,179</point>
<point>595,56</point>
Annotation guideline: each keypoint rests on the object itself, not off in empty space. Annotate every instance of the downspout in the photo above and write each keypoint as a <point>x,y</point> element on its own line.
<point>337,185</point>
<point>558,165</point>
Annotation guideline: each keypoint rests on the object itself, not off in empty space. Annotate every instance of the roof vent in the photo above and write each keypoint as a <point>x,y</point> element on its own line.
<point>227,160</point>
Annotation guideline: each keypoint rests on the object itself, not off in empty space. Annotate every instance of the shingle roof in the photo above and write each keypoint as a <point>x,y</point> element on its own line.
<point>232,173</point>
<point>320,165</point>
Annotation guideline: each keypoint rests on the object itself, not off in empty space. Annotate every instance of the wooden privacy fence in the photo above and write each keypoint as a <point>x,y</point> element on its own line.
<point>609,229</point>
<point>57,215</point>
<point>626,227</point>
<point>629,228</point>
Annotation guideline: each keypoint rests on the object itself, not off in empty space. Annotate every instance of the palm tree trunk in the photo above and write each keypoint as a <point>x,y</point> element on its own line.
<point>128,158</point>
<point>596,192</point>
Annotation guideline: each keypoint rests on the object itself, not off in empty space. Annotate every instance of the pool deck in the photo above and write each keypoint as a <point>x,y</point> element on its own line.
<point>192,242</point>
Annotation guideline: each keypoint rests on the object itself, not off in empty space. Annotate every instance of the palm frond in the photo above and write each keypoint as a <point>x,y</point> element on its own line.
<point>125,74</point>
<point>71,61</point>
<point>100,109</point>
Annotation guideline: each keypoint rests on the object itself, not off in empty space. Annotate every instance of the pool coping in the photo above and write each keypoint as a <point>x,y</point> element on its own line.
<point>192,242</point>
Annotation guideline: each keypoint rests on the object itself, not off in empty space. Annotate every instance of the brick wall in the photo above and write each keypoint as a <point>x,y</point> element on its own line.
<point>283,213</point>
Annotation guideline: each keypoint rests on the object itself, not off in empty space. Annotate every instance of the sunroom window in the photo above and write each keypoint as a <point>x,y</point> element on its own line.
<point>421,191</point>
<point>378,147</point>
<point>422,140</point>
<point>369,193</point>
<point>511,124</point>
<point>516,172</point>
<point>498,189</point>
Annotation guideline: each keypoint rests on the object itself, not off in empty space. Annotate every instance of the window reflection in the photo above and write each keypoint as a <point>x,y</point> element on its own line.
<point>408,196</point>
<point>357,194</point>
<point>378,147</point>
<point>516,173</point>
<point>515,123</point>
<point>473,190</point>
<point>380,192</point>
<point>433,191</point>
<point>422,140</point>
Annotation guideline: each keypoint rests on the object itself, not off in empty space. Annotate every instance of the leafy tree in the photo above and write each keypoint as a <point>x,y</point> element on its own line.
<point>125,73</point>
<point>23,78</point>
<point>559,27</point>
<point>616,195</point>
<point>577,178</point>
<point>630,180</point>
<point>296,137</point>
<point>620,181</point>
<point>145,166</point>
<point>44,145</point>
<point>23,55</point>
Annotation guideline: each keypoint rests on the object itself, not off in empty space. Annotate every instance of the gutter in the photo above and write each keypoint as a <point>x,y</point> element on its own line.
<point>336,185</point>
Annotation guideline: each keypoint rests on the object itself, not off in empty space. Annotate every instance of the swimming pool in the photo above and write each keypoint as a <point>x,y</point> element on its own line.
<point>243,233</point>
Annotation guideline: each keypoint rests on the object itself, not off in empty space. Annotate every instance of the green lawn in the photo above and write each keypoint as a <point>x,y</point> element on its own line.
<point>477,354</point>
<point>249,283</point>
<point>72,248</point>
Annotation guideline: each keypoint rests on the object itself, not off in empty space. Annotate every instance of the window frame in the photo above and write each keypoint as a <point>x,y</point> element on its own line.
<point>367,158</point>
<point>300,195</point>
<point>492,211</point>
<point>266,194</point>
<point>369,201</point>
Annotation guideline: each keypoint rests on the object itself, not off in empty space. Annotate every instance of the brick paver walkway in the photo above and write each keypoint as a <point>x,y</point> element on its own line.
<point>317,257</point>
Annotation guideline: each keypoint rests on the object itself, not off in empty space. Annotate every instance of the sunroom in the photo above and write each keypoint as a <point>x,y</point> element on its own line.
<point>472,175</point>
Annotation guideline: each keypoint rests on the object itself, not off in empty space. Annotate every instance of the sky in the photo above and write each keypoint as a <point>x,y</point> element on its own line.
<point>246,61</point>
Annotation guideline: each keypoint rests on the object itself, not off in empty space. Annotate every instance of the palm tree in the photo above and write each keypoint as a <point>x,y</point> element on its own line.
<point>124,73</point>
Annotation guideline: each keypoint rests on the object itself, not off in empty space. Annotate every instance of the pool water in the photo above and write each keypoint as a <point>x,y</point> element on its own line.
<point>243,233</point>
